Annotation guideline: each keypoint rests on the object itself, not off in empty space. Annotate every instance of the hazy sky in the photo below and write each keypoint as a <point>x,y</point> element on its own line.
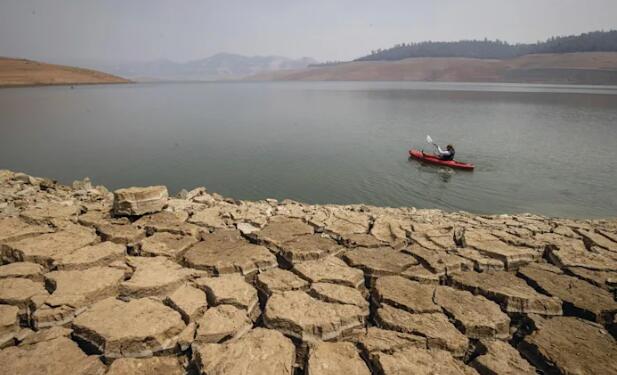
<point>129,30</point>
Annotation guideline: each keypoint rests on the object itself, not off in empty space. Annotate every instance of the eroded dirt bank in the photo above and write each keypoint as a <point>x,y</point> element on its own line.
<point>136,282</point>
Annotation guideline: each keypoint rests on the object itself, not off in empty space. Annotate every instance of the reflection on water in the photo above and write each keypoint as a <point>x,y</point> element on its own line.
<point>443,173</point>
<point>537,148</point>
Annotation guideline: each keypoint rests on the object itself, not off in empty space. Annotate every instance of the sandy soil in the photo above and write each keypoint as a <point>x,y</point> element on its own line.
<point>20,72</point>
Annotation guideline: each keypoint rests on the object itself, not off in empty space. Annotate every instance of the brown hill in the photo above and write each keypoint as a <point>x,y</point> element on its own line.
<point>576,68</point>
<point>21,72</point>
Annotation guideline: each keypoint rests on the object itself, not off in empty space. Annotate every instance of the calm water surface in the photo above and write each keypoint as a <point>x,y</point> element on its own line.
<point>537,148</point>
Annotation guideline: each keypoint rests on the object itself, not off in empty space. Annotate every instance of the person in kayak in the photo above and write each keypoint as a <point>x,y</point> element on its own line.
<point>447,154</point>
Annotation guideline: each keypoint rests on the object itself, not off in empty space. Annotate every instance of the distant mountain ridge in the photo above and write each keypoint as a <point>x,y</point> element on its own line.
<point>222,66</point>
<point>596,41</point>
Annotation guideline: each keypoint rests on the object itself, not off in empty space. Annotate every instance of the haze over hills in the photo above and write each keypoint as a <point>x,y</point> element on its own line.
<point>590,68</point>
<point>21,72</point>
<point>222,66</point>
<point>589,58</point>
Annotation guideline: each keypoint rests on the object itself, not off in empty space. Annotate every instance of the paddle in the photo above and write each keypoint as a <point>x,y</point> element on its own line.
<point>430,140</point>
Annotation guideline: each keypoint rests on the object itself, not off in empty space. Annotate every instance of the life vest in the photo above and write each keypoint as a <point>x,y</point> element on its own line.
<point>451,157</point>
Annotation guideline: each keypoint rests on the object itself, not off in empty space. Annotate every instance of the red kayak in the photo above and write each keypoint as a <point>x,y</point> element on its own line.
<point>433,159</point>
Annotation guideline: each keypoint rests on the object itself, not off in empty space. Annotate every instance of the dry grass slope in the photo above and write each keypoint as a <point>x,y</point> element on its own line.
<point>575,68</point>
<point>21,72</point>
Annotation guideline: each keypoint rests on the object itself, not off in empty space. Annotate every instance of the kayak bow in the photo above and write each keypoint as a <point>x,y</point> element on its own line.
<point>433,159</point>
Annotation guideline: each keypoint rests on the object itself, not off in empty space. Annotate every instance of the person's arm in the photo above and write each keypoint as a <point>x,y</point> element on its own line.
<point>442,152</point>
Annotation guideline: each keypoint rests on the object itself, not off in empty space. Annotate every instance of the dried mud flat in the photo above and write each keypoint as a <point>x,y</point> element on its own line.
<point>137,282</point>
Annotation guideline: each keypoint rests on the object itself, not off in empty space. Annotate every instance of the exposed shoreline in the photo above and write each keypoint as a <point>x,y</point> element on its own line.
<point>95,282</point>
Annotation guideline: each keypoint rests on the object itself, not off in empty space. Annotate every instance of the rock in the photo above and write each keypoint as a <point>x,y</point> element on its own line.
<point>49,316</point>
<point>330,270</point>
<point>59,356</point>
<point>281,229</point>
<point>156,276</point>
<point>421,362</point>
<point>260,351</point>
<point>146,366</point>
<point>231,290</point>
<point>47,248</point>
<point>21,292</point>
<point>128,235</point>
<point>46,335</point>
<point>278,280</point>
<point>81,288</point>
<point>422,275</point>
<point>15,337</point>
<point>298,315</point>
<point>188,301</point>
<point>569,345</point>
<point>308,247</point>
<point>511,292</point>
<point>512,256</point>
<point>96,218</point>
<point>223,322</point>
<point>26,270</point>
<point>389,228</point>
<point>501,359</point>
<point>246,228</point>
<point>121,265</point>
<point>167,222</point>
<point>9,320</point>
<point>136,328</point>
<point>383,340</point>
<point>339,222</point>
<point>339,294</point>
<point>15,229</point>
<point>596,239</point>
<point>209,217</point>
<point>45,212</point>
<point>601,279</point>
<point>405,294</point>
<point>519,238</point>
<point>224,252</point>
<point>377,262</point>
<point>577,295</point>
<point>442,237</point>
<point>420,239</point>
<point>166,244</point>
<point>572,253</point>
<point>136,201</point>
<point>255,214</point>
<point>611,234</point>
<point>101,254</point>
<point>187,337</point>
<point>477,316</point>
<point>481,263</point>
<point>439,261</point>
<point>334,358</point>
<point>362,240</point>
<point>439,332</point>
<point>458,236</point>
<point>289,208</point>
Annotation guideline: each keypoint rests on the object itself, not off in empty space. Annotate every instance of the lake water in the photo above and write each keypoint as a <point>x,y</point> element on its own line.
<point>537,148</point>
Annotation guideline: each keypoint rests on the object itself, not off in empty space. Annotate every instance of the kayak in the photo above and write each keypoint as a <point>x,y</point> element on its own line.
<point>433,159</point>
